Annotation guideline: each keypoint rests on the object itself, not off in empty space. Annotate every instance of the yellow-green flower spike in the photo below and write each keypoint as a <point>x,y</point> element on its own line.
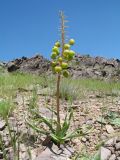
<point>60,62</point>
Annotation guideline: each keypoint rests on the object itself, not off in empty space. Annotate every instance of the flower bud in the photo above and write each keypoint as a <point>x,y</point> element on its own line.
<point>54,55</point>
<point>66,46</point>
<point>58,69</point>
<point>57,44</point>
<point>65,73</point>
<point>64,65</point>
<point>60,59</point>
<point>69,57</point>
<point>65,53</point>
<point>53,63</point>
<point>71,53</point>
<point>55,49</point>
<point>71,41</point>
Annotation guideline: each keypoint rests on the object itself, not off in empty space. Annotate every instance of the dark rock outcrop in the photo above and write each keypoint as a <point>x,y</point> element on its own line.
<point>95,67</point>
<point>81,66</point>
<point>37,65</point>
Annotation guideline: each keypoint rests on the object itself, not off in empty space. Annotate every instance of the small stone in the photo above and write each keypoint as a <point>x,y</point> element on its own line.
<point>22,148</point>
<point>44,155</point>
<point>105,153</point>
<point>110,142</point>
<point>1,154</point>
<point>84,139</point>
<point>109,129</point>
<point>117,153</point>
<point>11,154</point>
<point>112,157</point>
<point>24,155</point>
<point>118,139</point>
<point>112,149</point>
<point>117,146</point>
<point>68,151</point>
<point>87,144</point>
<point>55,153</point>
<point>7,143</point>
<point>89,122</point>
<point>103,137</point>
<point>2,125</point>
<point>118,158</point>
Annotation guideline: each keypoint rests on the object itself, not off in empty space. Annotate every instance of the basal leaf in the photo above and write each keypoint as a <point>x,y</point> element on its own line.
<point>101,120</point>
<point>115,121</point>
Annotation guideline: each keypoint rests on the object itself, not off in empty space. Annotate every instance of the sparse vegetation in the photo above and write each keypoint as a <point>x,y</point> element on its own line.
<point>70,90</point>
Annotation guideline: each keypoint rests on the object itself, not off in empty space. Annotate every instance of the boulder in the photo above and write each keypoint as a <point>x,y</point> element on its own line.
<point>105,153</point>
<point>36,64</point>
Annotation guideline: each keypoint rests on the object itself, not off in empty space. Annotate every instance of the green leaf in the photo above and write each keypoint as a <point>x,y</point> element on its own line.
<point>76,133</point>
<point>52,110</point>
<point>5,108</point>
<point>47,121</point>
<point>87,128</point>
<point>112,115</point>
<point>99,145</point>
<point>96,156</point>
<point>57,139</point>
<point>89,157</point>
<point>101,120</point>
<point>36,128</point>
<point>66,124</point>
<point>115,121</point>
<point>64,129</point>
<point>70,115</point>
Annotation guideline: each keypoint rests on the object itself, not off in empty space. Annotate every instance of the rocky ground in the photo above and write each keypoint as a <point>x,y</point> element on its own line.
<point>87,112</point>
<point>111,149</point>
<point>98,111</point>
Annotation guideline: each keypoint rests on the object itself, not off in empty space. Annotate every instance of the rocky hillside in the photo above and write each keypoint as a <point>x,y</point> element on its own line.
<point>95,67</point>
<point>81,66</point>
<point>36,64</point>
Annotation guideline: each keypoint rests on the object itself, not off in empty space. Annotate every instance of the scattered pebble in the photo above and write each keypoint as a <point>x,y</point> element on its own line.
<point>105,153</point>
<point>2,125</point>
<point>109,129</point>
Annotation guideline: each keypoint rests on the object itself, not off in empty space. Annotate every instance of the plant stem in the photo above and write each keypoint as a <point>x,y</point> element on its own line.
<point>59,75</point>
<point>62,31</point>
<point>58,103</point>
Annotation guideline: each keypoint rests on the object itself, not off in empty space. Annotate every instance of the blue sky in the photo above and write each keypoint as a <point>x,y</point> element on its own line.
<point>28,27</point>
